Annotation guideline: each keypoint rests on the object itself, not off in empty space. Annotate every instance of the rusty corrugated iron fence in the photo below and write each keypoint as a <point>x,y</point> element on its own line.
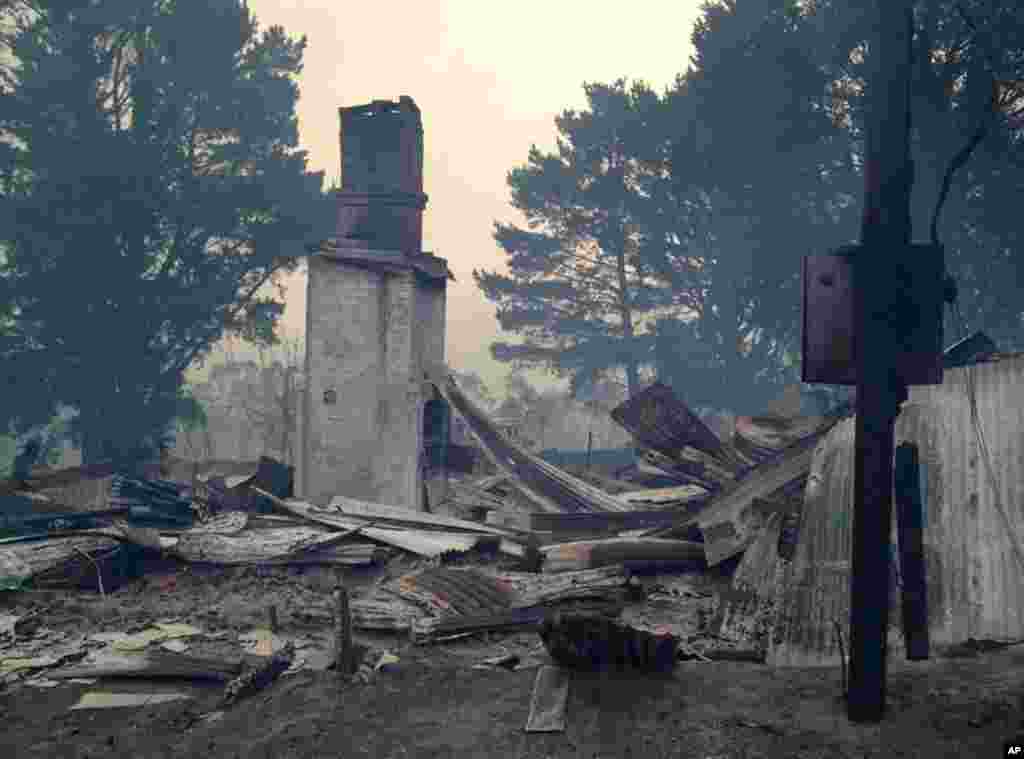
<point>973,514</point>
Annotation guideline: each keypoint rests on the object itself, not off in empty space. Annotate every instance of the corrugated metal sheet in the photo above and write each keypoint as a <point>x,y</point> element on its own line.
<point>547,485</point>
<point>659,420</point>
<point>974,577</point>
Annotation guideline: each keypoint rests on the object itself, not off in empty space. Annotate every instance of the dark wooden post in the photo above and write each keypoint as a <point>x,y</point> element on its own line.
<point>342,633</point>
<point>910,519</point>
<point>886,234</point>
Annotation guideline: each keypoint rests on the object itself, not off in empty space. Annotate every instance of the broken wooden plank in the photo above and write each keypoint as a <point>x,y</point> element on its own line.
<point>344,662</point>
<point>153,664</point>
<point>106,700</point>
<point>420,542</point>
<point>22,561</point>
<point>587,554</point>
<point>604,523</point>
<point>608,582</point>
<point>281,546</point>
<point>732,520</point>
<point>379,512</point>
<point>250,546</point>
<point>548,702</point>
<point>349,554</point>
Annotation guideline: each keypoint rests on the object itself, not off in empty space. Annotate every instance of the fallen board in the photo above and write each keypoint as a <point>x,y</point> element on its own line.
<point>604,522</point>
<point>104,700</point>
<point>588,554</point>
<point>731,522</point>
<point>379,512</point>
<point>22,561</point>
<point>155,664</point>
<point>420,542</point>
<point>550,697</point>
<point>734,517</point>
<point>250,546</point>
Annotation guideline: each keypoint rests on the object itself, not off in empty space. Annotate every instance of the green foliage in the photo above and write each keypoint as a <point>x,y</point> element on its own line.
<point>150,190</point>
<point>578,286</point>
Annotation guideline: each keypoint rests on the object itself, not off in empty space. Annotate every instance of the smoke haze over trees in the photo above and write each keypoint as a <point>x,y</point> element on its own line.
<point>664,238</point>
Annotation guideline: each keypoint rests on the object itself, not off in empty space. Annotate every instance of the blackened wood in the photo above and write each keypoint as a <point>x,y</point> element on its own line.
<point>886,233</point>
<point>343,633</point>
<point>910,518</point>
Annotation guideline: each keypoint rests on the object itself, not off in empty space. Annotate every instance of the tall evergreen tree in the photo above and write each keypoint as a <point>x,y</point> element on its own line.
<point>151,187</point>
<point>578,289</point>
<point>760,174</point>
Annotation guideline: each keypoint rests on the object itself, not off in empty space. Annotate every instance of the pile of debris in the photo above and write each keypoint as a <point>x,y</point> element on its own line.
<point>726,493</point>
<point>626,576</point>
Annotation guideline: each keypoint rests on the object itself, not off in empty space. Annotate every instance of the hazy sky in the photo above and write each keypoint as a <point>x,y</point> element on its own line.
<point>489,79</point>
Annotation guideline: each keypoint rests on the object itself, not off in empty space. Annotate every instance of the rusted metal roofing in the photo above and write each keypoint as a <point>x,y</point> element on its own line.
<point>659,420</point>
<point>459,591</point>
<point>547,485</point>
<point>973,519</point>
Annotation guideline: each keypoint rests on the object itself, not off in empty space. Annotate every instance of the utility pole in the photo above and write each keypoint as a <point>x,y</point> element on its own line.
<point>886,236</point>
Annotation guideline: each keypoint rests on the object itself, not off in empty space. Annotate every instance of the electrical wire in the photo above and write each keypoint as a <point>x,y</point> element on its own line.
<point>972,400</point>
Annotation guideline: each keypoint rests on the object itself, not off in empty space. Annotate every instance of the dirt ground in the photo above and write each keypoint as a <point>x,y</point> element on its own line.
<point>434,703</point>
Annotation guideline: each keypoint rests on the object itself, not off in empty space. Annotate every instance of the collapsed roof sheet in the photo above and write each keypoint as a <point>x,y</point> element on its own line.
<point>659,420</point>
<point>547,485</point>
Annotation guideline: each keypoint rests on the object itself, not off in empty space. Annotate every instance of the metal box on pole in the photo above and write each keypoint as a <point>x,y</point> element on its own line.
<point>830,341</point>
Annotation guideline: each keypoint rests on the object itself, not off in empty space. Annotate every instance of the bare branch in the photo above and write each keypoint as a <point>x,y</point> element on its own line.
<point>955,165</point>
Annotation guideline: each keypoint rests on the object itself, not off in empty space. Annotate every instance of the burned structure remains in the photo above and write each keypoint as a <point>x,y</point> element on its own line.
<point>375,319</point>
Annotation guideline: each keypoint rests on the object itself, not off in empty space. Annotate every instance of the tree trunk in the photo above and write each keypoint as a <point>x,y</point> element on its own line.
<point>628,336</point>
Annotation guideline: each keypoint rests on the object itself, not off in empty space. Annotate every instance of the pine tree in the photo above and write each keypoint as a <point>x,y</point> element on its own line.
<point>578,289</point>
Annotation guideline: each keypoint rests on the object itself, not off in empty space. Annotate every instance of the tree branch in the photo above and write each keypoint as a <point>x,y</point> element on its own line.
<point>231,312</point>
<point>955,165</point>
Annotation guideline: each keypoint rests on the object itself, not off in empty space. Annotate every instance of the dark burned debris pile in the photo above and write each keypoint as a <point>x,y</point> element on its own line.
<point>689,559</point>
